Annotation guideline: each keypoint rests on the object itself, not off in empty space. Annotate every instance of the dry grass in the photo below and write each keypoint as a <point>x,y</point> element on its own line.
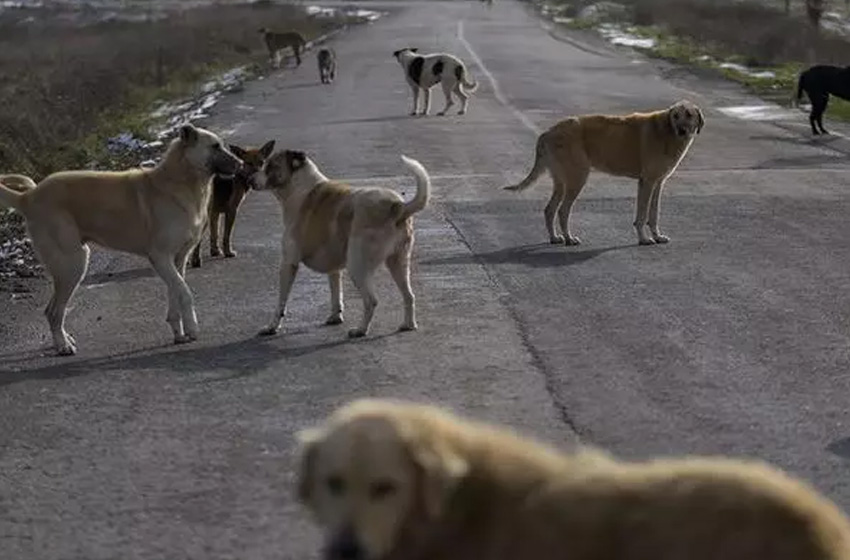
<point>65,87</point>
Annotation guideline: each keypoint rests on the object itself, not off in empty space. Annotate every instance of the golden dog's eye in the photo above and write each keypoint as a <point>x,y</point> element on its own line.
<point>382,489</point>
<point>336,486</point>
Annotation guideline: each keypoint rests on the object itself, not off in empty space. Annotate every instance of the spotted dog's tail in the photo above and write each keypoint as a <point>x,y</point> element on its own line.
<point>536,170</point>
<point>460,74</point>
<point>423,189</point>
<point>13,189</point>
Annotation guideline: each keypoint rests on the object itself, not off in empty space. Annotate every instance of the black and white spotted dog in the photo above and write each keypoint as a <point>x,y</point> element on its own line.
<point>426,71</point>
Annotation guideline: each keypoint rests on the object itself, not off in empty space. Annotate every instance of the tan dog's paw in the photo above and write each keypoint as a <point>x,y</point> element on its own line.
<point>572,240</point>
<point>69,348</point>
<point>184,339</point>
<point>661,239</point>
<point>335,319</point>
<point>356,333</point>
<point>408,328</point>
<point>230,253</point>
<point>646,241</point>
<point>269,331</point>
<point>215,252</point>
<point>557,240</point>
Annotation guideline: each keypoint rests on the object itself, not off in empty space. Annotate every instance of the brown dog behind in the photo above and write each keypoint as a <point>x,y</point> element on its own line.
<point>390,480</point>
<point>227,195</point>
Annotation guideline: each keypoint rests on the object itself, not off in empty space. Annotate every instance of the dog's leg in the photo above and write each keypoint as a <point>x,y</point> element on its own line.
<point>229,222</point>
<point>552,207</point>
<point>67,266</point>
<point>399,267</point>
<point>415,89</point>
<point>819,104</point>
<point>215,250</point>
<point>654,208</point>
<point>335,283</point>
<point>427,102</point>
<point>196,255</point>
<point>463,96</point>
<point>361,268</point>
<point>287,278</point>
<point>181,305</point>
<point>570,181</point>
<point>644,194</point>
<point>447,91</point>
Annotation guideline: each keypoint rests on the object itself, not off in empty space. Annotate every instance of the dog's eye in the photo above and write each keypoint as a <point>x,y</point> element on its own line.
<point>382,489</point>
<point>336,486</point>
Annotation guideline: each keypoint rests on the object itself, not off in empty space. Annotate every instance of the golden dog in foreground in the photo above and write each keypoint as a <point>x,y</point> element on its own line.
<point>389,480</point>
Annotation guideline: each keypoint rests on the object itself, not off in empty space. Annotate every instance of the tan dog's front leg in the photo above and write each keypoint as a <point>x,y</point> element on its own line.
<point>335,282</point>
<point>654,207</point>
<point>181,305</point>
<point>287,278</point>
<point>644,194</point>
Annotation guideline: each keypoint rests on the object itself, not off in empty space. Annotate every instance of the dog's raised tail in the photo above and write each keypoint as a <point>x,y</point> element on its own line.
<point>461,73</point>
<point>12,190</point>
<point>536,170</point>
<point>423,189</point>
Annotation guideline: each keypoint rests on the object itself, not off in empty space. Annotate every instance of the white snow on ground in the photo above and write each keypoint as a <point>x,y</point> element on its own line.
<point>766,112</point>
<point>352,12</point>
<point>741,69</point>
<point>618,36</point>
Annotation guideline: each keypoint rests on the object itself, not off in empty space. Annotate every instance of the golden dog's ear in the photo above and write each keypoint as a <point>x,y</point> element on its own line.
<point>701,122</point>
<point>307,441</point>
<point>441,470</point>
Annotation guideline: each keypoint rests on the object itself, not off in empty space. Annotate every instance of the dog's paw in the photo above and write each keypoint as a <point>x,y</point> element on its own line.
<point>184,339</point>
<point>413,113</point>
<point>572,240</point>
<point>557,240</point>
<point>229,254</point>
<point>335,319</point>
<point>69,348</point>
<point>408,328</point>
<point>269,331</point>
<point>661,239</point>
<point>215,252</point>
<point>356,333</point>
<point>461,112</point>
<point>646,241</point>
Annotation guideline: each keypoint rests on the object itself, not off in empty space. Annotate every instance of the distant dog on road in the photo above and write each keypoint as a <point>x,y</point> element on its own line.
<point>327,65</point>
<point>276,42</point>
<point>156,213</point>
<point>228,192</point>
<point>425,71</point>
<point>330,226</point>
<point>393,480</point>
<point>644,146</point>
<point>818,82</point>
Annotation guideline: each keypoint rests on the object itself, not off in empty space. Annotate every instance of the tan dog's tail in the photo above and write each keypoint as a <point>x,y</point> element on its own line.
<point>12,190</point>
<point>423,189</point>
<point>536,171</point>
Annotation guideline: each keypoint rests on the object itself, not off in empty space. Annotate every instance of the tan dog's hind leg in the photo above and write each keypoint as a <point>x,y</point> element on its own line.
<point>568,180</point>
<point>645,189</point>
<point>335,283</point>
<point>447,91</point>
<point>67,266</point>
<point>654,207</point>
<point>181,306</point>
<point>287,278</point>
<point>399,267</point>
<point>361,267</point>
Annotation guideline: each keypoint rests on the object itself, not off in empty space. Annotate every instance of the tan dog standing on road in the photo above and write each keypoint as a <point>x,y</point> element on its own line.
<point>392,480</point>
<point>643,146</point>
<point>156,213</point>
<point>331,226</point>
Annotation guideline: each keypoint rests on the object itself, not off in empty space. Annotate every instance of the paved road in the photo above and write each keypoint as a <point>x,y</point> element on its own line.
<point>732,339</point>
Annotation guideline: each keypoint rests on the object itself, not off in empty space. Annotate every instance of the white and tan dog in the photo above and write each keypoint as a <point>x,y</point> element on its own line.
<point>156,213</point>
<point>331,226</point>
<point>643,146</point>
<point>391,480</point>
<point>425,71</point>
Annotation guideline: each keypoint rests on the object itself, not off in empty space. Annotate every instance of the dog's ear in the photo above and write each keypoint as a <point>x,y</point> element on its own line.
<point>308,441</point>
<point>188,134</point>
<point>295,160</point>
<point>414,49</point>
<point>267,148</point>
<point>398,52</point>
<point>440,471</point>
<point>701,121</point>
<point>237,151</point>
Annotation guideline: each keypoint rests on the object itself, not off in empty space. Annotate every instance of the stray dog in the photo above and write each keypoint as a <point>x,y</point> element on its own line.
<point>330,226</point>
<point>327,65</point>
<point>644,146</point>
<point>425,71</point>
<point>227,195</point>
<point>156,213</point>
<point>819,82</point>
<point>276,42</point>
<point>389,480</point>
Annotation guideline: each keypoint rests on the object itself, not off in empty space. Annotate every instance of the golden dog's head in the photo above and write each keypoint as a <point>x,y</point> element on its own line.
<point>205,151</point>
<point>685,118</point>
<point>371,473</point>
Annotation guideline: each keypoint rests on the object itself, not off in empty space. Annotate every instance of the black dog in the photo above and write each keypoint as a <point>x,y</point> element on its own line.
<point>819,82</point>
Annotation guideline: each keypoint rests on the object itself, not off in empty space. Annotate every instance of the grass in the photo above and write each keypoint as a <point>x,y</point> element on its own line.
<point>705,33</point>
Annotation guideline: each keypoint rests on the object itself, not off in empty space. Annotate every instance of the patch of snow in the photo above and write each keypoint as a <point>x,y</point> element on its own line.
<point>767,112</point>
<point>560,19</point>
<point>617,36</point>
<point>741,69</point>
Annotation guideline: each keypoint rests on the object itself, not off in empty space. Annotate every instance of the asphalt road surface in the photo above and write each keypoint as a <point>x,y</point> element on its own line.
<point>732,339</point>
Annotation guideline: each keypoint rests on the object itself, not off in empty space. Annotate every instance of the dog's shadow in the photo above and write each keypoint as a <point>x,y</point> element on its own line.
<point>541,255</point>
<point>372,119</point>
<point>118,277</point>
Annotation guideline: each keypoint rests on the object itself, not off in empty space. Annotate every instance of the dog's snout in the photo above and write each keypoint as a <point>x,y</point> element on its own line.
<point>345,547</point>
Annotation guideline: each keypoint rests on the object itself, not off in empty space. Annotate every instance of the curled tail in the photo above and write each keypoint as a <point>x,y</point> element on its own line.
<point>461,74</point>
<point>13,188</point>
<point>423,189</point>
<point>537,169</point>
